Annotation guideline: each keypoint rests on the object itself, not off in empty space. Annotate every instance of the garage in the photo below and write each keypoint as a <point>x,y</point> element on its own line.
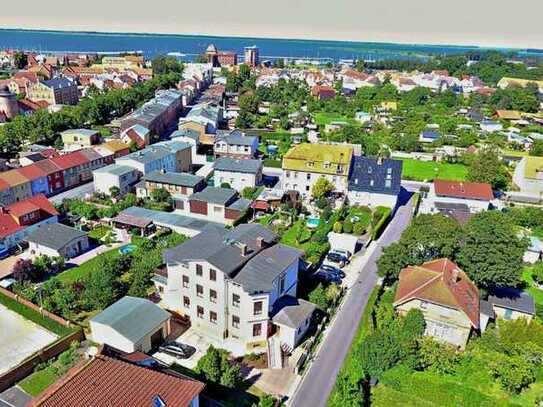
<point>131,324</point>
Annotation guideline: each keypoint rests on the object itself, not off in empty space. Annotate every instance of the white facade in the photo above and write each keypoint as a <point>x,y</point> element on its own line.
<point>527,185</point>
<point>303,181</point>
<point>105,180</point>
<point>71,249</point>
<point>428,204</point>
<point>220,308</point>
<point>372,199</point>
<point>237,180</point>
<point>105,334</point>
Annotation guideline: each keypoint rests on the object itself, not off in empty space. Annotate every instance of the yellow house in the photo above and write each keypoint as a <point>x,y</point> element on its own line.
<point>305,163</point>
<point>389,105</point>
<point>505,82</point>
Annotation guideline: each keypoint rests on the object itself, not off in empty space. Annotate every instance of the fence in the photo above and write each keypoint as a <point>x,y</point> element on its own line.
<point>27,366</point>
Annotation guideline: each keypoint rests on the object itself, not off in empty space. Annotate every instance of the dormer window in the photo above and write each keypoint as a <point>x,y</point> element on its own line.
<point>310,164</point>
<point>369,170</point>
<point>326,164</point>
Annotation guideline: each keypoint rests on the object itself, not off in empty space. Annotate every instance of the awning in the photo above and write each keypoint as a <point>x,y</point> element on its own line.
<point>131,220</point>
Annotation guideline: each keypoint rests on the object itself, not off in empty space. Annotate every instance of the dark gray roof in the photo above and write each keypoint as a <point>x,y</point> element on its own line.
<point>237,138</point>
<point>486,309</point>
<point>58,83</point>
<point>291,311</point>
<point>458,211</point>
<point>235,165</point>
<point>133,318</point>
<point>260,272</point>
<point>512,298</point>
<point>221,247</point>
<point>54,235</point>
<point>370,175</point>
<point>182,179</point>
<point>240,204</point>
<point>219,196</point>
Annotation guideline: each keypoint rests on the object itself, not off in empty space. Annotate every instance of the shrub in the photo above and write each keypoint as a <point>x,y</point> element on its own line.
<point>347,226</point>
<point>437,357</point>
<point>359,229</point>
<point>537,272</point>
<point>338,227</point>
<point>514,373</point>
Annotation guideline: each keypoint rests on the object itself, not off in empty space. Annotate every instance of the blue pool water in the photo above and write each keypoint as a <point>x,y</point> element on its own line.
<point>313,222</point>
<point>127,249</point>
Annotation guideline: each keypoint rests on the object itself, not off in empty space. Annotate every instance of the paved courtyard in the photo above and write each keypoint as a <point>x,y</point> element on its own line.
<point>19,338</point>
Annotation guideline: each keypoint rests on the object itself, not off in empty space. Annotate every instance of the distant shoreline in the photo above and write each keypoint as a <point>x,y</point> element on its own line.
<point>263,38</point>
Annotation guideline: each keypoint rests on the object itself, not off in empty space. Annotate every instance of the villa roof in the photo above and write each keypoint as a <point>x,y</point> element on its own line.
<point>440,282</point>
<point>320,158</point>
<point>463,189</point>
<point>236,165</point>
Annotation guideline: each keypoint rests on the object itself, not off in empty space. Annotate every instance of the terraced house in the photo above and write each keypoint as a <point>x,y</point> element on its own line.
<point>304,164</point>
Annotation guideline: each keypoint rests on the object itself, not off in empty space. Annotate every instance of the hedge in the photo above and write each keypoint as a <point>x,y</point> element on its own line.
<point>380,225</point>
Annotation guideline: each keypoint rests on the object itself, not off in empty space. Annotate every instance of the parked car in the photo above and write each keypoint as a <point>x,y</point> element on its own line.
<point>323,275</point>
<point>331,269</point>
<point>336,259</point>
<point>178,350</point>
<point>343,252</point>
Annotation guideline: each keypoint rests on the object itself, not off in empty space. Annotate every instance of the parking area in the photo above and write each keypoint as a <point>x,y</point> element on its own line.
<point>19,338</point>
<point>201,343</point>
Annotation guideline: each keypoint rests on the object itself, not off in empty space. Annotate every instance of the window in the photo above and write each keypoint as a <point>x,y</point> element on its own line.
<point>423,305</point>
<point>257,308</point>
<point>257,329</point>
<point>235,321</point>
<point>199,290</point>
<point>508,314</point>
<point>308,176</point>
<point>388,183</point>
<point>185,281</point>
<point>212,295</point>
<point>199,271</point>
<point>213,275</point>
<point>235,300</point>
<point>282,284</point>
<point>212,317</point>
<point>200,312</point>
<point>186,302</point>
<point>217,209</point>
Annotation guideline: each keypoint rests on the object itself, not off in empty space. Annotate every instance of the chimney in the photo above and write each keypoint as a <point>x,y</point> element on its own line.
<point>455,276</point>
<point>260,242</point>
<point>163,170</point>
<point>379,160</point>
<point>243,248</point>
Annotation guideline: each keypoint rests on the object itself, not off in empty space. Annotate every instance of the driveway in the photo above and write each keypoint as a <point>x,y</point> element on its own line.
<point>77,192</point>
<point>319,380</point>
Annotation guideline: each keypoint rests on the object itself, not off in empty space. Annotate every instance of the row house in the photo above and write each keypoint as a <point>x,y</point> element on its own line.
<point>178,184</point>
<point>18,220</point>
<point>234,284</point>
<point>238,174</point>
<point>170,156</point>
<point>114,175</point>
<point>15,187</point>
<point>57,91</point>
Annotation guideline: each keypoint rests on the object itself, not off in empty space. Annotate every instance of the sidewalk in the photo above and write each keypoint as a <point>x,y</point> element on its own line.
<point>124,239</point>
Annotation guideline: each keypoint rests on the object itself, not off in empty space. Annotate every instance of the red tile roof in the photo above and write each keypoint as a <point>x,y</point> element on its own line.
<point>32,172</point>
<point>48,166</point>
<point>440,282</point>
<point>104,381</point>
<point>461,189</point>
<point>32,204</point>
<point>70,160</point>
<point>8,226</point>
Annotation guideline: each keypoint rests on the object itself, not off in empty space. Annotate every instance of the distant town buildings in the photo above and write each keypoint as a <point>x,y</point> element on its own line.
<point>252,56</point>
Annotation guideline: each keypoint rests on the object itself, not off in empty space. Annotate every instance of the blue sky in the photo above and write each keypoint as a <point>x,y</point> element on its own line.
<point>478,22</point>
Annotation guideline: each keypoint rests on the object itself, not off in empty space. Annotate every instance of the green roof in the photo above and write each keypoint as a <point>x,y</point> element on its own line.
<point>132,317</point>
<point>533,166</point>
<point>320,158</point>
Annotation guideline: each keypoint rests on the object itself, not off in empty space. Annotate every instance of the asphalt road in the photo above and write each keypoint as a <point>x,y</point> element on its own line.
<point>78,192</point>
<point>319,381</point>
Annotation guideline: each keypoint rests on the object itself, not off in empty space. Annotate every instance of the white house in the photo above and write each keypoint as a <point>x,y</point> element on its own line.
<point>237,173</point>
<point>235,145</point>
<point>115,175</point>
<point>490,126</point>
<point>528,175</point>
<point>229,282</point>
<point>131,325</point>
<point>57,240</point>
<point>473,197</point>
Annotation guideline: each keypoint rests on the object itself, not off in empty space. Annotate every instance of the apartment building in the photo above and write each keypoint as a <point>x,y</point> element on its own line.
<point>239,174</point>
<point>229,283</point>
<point>305,163</point>
<point>114,175</point>
<point>56,91</point>
<point>235,144</point>
<point>169,156</point>
<point>178,184</point>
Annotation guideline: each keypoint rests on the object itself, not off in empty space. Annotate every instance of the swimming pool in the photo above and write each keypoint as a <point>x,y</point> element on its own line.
<point>127,249</point>
<point>313,222</point>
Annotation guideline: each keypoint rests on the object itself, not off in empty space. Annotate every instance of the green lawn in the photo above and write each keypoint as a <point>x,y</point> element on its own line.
<point>38,381</point>
<point>34,316</point>
<point>77,273</point>
<point>323,118</point>
<point>99,232</point>
<point>429,170</point>
<point>532,290</point>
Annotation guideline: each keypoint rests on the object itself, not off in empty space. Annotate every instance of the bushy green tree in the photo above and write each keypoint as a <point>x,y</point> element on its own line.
<point>318,297</point>
<point>321,188</point>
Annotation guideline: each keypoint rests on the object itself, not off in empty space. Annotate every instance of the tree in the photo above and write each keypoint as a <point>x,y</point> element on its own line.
<point>20,60</point>
<point>537,148</point>
<point>514,373</point>
<point>225,185</point>
<point>338,227</point>
<point>100,290</point>
<point>267,401</point>
<point>537,272</point>
<point>248,192</point>
<point>114,191</point>
<point>318,297</point>
<point>437,357</point>
<point>160,195</point>
<point>321,188</point>
<point>164,64</point>
<point>486,167</point>
<point>491,253</point>
<point>215,367</point>
<point>22,270</point>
